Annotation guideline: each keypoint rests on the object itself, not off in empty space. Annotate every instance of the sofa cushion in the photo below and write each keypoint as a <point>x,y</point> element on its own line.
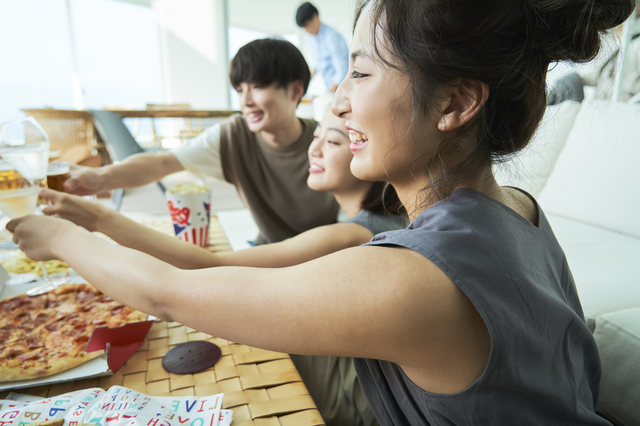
<point>604,264</point>
<point>618,337</point>
<point>531,167</point>
<point>595,176</point>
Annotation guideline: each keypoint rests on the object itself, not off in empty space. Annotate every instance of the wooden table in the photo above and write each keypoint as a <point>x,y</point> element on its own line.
<point>173,113</point>
<point>263,388</point>
<point>187,114</point>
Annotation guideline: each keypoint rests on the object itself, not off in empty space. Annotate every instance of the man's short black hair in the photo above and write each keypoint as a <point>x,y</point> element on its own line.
<point>269,60</point>
<point>305,14</point>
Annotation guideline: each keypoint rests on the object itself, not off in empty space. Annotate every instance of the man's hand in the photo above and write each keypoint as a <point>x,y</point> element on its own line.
<point>85,180</point>
<point>37,236</point>
<point>85,213</point>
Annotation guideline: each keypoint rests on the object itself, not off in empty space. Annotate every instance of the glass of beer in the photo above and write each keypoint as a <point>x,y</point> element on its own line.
<point>57,173</point>
<point>18,188</point>
<point>24,155</point>
<point>26,139</point>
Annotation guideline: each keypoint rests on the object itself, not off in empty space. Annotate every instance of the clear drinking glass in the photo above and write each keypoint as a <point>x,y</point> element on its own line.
<point>24,156</point>
<point>24,138</point>
<point>18,188</point>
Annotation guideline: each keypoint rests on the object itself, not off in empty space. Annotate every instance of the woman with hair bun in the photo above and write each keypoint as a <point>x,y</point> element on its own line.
<point>470,316</point>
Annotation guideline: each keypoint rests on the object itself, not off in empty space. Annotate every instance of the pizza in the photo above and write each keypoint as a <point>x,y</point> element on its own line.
<point>47,334</point>
<point>58,422</point>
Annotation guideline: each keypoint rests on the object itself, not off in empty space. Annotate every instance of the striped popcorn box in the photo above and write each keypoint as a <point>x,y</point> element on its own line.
<point>190,213</point>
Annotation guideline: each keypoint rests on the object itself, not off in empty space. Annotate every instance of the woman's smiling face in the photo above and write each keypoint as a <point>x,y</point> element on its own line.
<point>376,102</point>
<point>330,158</point>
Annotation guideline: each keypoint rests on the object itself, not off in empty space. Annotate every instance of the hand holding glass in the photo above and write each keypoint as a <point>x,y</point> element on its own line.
<point>24,152</point>
<point>18,189</point>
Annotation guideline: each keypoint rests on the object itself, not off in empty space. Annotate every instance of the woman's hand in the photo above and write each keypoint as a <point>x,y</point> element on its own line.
<point>85,213</point>
<point>38,236</point>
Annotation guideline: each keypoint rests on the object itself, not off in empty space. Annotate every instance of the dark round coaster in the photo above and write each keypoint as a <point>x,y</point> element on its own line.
<point>191,357</point>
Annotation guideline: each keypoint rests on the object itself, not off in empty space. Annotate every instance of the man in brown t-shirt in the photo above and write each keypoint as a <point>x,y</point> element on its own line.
<point>262,152</point>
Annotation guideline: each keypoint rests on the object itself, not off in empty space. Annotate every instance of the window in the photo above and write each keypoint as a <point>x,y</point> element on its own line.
<point>118,53</point>
<point>116,47</point>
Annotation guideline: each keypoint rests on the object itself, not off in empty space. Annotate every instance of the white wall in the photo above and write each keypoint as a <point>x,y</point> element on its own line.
<point>118,53</point>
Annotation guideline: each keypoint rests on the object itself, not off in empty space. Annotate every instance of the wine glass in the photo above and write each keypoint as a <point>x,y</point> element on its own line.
<point>24,152</point>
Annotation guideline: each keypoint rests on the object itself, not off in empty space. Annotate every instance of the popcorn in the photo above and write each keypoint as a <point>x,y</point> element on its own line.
<point>189,188</point>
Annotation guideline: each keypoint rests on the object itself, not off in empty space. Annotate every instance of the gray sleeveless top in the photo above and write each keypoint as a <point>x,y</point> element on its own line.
<point>377,223</point>
<point>543,368</point>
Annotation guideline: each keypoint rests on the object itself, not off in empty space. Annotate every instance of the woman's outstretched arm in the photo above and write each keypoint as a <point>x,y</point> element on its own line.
<point>368,302</point>
<point>309,245</point>
<point>346,303</point>
<point>301,248</point>
<point>97,218</point>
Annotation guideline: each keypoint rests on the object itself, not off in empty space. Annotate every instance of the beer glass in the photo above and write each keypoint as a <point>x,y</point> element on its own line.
<point>24,155</point>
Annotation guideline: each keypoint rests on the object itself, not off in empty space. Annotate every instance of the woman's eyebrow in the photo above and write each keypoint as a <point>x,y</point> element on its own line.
<point>335,129</point>
<point>359,53</point>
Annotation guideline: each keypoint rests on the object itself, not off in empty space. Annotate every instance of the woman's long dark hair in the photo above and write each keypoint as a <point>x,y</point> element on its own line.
<point>382,199</point>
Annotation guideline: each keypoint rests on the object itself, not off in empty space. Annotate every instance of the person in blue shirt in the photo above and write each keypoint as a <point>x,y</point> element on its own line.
<point>328,48</point>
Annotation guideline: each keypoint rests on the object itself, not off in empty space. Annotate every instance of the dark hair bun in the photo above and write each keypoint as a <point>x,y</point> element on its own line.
<point>570,29</point>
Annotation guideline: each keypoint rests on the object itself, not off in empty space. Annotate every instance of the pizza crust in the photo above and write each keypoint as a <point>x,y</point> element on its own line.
<point>58,422</point>
<point>13,372</point>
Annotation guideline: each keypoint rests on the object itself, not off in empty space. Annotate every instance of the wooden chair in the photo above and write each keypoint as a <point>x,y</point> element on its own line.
<point>188,131</point>
<point>71,134</point>
<point>119,142</point>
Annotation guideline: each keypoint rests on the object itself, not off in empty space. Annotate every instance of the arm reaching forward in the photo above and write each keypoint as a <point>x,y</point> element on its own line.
<point>304,247</point>
<point>135,171</point>
<point>370,302</point>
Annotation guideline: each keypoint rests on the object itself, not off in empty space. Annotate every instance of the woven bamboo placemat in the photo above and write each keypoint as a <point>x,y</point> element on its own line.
<point>217,239</point>
<point>263,388</point>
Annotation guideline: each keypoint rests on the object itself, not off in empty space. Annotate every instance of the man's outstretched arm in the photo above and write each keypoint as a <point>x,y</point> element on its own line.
<point>135,171</point>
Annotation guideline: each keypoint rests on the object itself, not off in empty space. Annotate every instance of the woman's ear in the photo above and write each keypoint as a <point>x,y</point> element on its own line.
<point>462,101</point>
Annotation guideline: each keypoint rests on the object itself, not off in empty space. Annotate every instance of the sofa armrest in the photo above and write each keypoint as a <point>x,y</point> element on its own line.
<point>618,337</point>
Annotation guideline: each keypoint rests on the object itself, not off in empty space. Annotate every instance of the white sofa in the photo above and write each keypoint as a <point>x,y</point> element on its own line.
<point>582,167</point>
